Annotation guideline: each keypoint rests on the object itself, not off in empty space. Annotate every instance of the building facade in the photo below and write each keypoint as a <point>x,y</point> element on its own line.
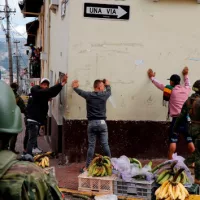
<point>119,41</point>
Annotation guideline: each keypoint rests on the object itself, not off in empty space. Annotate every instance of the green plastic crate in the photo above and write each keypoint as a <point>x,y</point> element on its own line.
<point>195,189</point>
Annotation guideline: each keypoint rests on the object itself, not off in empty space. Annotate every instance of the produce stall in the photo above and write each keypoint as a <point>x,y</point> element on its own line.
<point>126,178</point>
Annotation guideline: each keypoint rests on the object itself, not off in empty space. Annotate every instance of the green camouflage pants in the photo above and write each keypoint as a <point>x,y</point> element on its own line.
<point>194,131</point>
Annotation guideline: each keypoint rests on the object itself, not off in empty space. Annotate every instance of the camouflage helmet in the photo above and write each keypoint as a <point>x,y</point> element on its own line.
<point>196,86</point>
<point>10,118</point>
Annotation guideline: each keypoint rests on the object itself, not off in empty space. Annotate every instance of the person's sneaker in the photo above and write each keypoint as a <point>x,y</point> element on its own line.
<point>36,150</point>
<point>83,169</point>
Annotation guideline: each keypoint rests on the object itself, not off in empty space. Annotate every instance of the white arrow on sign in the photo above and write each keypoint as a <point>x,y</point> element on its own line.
<point>119,12</point>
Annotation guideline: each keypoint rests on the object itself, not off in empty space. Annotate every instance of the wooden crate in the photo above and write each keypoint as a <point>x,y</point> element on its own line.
<point>103,185</point>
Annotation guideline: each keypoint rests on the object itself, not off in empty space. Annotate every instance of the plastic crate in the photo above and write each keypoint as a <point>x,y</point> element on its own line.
<point>138,189</point>
<point>195,189</point>
<point>103,185</point>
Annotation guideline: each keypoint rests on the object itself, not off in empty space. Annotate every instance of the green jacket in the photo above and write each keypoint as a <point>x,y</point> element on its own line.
<point>20,103</point>
<point>192,108</point>
<point>20,180</point>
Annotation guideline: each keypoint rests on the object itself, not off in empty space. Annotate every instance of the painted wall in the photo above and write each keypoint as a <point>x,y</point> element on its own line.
<point>163,35</point>
<point>58,60</point>
<point>46,47</point>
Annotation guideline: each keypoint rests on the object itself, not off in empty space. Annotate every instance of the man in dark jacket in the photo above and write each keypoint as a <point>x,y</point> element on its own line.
<point>38,108</point>
<point>20,180</point>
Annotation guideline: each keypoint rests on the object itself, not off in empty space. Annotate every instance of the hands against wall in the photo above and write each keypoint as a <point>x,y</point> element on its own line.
<point>75,84</point>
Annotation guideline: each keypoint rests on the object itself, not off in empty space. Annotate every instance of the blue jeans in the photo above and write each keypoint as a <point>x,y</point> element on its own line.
<point>32,130</point>
<point>97,128</point>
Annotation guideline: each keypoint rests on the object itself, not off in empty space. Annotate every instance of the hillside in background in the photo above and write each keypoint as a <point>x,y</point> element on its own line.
<point>4,54</point>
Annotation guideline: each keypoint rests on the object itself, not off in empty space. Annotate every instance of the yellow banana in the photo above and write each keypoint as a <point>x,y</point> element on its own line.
<point>40,164</point>
<point>35,158</point>
<point>164,192</point>
<point>183,190</point>
<point>108,170</point>
<point>180,196</point>
<point>48,153</point>
<point>176,191</point>
<point>37,163</point>
<point>90,169</point>
<point>43,163</point>
<point>47,161</point>
<point>99,171</point>
<point>157,191</point>
<point>95,171</point>
<point>94,161</point>
<point>171,192</point>
<point>103,171</point>
<point>106,157</point>
<point>107,161</point>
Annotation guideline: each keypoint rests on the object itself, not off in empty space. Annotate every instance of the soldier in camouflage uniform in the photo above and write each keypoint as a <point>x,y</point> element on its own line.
<point>22,107</point>
<point>19,180</point>
<point>192,107</point>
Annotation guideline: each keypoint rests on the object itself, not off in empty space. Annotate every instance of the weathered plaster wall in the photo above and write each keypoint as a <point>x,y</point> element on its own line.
<point>164,35</point>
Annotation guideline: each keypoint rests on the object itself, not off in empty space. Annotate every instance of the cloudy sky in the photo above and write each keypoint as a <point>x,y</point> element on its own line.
<point>18,22</point>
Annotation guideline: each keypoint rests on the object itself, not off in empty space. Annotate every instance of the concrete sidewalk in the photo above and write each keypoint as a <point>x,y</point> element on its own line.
<point>67,175</point>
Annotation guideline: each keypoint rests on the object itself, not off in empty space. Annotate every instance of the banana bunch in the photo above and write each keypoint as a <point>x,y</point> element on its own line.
<point>169,172</point>
<point>135,161</point>
<point>172,190</point>
<point>169,175</point>
<point>100,166</point>
<point>44,162</point>
<point>39,156</point>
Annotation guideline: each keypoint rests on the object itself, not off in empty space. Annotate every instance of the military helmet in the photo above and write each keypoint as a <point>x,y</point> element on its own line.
<point>196,86</point>
<point>10,118</point>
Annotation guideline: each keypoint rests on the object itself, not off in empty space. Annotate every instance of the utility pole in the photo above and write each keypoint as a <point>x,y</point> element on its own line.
<point>7,12</point>
<point>17,60</point>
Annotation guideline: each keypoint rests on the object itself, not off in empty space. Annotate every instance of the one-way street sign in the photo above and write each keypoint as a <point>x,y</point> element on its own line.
<point>110,11</point>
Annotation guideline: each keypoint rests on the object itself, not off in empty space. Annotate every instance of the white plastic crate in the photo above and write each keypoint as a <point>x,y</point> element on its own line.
<point>138,189</point>
<point>103,185</point>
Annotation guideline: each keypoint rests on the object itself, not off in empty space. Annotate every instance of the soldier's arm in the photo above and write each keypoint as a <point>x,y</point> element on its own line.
<point>21,105</point>
<point>181,117</point>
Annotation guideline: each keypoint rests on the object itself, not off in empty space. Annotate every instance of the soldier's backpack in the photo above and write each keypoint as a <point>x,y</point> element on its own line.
<point>193,104</point>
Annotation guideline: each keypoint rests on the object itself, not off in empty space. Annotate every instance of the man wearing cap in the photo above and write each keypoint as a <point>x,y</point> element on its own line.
<point>20,180</point>
<point>38,108</point>
<point>177,97</point>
